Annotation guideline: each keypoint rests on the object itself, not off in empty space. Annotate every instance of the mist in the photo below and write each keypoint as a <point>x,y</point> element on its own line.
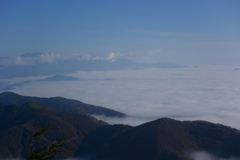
<point>205,92</point>
<point>202,155</point>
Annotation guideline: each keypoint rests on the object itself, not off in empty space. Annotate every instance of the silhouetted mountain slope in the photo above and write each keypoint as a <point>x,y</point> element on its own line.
<point>59,103</point>
<point>164,139</point>
<point>167,139</point>
<point>18,123</point>
<point>216,138</point>
<point>97,141</point>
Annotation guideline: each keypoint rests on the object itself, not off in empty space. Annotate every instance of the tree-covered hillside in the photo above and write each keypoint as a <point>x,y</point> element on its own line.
<point>164,139</point>
<point>60,103</point>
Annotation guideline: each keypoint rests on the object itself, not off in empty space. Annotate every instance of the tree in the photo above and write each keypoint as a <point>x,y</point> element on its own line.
<point>47,150</point>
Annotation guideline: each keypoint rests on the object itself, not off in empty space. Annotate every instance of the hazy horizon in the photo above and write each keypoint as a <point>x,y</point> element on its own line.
<point>183,32</point>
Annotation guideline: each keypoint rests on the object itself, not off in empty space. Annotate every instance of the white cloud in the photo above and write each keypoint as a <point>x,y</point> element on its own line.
<point>48,57</point>
<point>193,93</point>
<point>130,120</point>
<point>111,56</point>
<point>43,58</point>
<point>19,61</point>
<point>6,61</point>
<point>31,59</point>
<point>86,57</point>
<point>202,155</point>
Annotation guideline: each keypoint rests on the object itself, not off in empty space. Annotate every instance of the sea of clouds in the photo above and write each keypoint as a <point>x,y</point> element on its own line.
<point>206,92</point>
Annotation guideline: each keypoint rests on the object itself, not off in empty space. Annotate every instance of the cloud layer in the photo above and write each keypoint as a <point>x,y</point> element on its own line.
<point>195,93</point>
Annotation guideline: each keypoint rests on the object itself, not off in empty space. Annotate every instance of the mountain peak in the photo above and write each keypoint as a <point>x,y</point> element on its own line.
<point>59,78</point>
<point>8,95</point>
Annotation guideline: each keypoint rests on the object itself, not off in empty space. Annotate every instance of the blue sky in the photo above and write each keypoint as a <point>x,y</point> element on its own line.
<point>183,32</point>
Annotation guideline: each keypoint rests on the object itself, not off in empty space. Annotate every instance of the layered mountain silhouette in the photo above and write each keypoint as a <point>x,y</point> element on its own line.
<point>59,103</point>
<point>168,139</point>
<point>164,139</point>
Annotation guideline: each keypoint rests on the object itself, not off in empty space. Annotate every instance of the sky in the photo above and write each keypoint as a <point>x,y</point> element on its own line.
<point>148,31</point>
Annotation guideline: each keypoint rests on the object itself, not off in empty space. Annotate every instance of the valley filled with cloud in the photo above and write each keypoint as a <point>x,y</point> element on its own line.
<point>151,64</point>
<point>206,92</point>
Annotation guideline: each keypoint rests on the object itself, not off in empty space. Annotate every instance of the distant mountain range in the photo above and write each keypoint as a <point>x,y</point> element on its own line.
<point>70,66</point>
<point>59,78</point>
<point>59,103</point>
<point>164,139</point>
<point>56,78</point>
